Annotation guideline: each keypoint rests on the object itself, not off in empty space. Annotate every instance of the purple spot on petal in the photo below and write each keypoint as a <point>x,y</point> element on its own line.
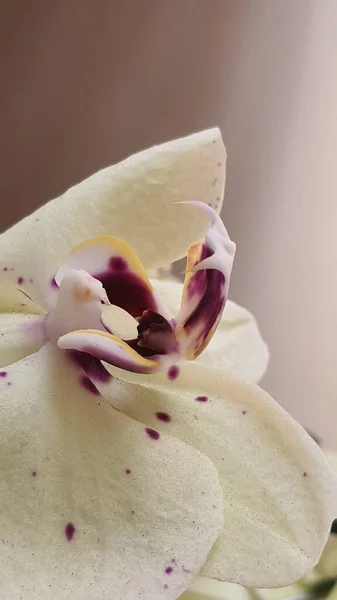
<point>173,560</point>
<point>20,280</point>
<point>219,164</point>
<point>152,433</point>
<point>214,181</point>
<point>69,531</point>
<point>244,412</point>
<point>54,284</point>
<point>3,374</point>
<point>168,570</point>
<point>165,586</point>
<point>5,269</point>
<point>162,416</point>
<point>88,384</point>
<point>202,398</point>
<point>305,474</point>
<point>9,384</point>
<point>118,263</point>
<point>31,280</point>
<point>127,471</point>
<point>34,473</point>
<point>173,372</point>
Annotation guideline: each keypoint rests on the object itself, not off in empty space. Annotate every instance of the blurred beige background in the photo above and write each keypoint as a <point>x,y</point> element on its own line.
<point>85,83</point>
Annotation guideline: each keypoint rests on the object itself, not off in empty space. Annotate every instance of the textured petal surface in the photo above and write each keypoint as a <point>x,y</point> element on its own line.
<point>94,505</point>
<point>116,266</point>
<point>209,266</point>
<point>279,492</point>
<point>237,345</point>
<point>108,348</point>
<point>13,299</point>
<point>134,200</point>
<point>21,335</point>
<point>204,588</point>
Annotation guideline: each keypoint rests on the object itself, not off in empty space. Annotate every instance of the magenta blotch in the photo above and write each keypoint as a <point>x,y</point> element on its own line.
<point>88,384</point>
<point>152,433</point>
<point>165,586</point>
<point>34,473</point>
<point>5,269</point>
<point>173,372</point>
<point>162,416</point>
<point>69,531</point>
<point>127,471</point>
<point>202,398</point>
<point>244,412</point>
<point>168,570</point>
<point>54,284</point>
<point>118,263</point>
<point>20,280</point>
<point>3,374</point>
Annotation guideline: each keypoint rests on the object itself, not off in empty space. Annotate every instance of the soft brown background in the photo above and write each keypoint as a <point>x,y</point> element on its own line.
<point>86,82</point>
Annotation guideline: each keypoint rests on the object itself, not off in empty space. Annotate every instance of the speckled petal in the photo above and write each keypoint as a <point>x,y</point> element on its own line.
<point>135,200</point>
<point>209,265</point>
<point>280,495</point>
<point>113,262</point>
<point>21,335</point>
<point>92,503</point>
<point>237,345</point>
<point>108,348</point>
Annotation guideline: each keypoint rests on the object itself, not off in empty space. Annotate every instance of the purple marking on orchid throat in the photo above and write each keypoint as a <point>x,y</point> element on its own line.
<point>89,385</point>
<point>211,305</point>
<point>155,334</point>
<point>173,372</point>
<point>3,374</point>
<point>69,531</point>
<point>152,433</point>
<point>118,263</point>
<point>126,290</point>
<point>91,365</point>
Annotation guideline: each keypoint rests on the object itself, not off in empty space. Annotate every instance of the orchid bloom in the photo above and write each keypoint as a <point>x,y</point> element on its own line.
<point>125,469</point>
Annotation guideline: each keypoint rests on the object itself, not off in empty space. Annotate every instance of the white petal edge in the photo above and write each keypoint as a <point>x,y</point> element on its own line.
<point>237,346</point>
<point>135,200</point>
<point>279,492</point>
<point>64,453</point>
<point>204,588</point>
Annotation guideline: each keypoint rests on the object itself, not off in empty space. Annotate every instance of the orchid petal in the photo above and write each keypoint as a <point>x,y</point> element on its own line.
<point>209,265</point>
<point>108,348</point>
<point>203,588</point>
<point>21,335</point>
<point>279,492</point>
<point>14,298</point>
<point>135,200</point>
<point>237,345</point>
<point>92,505</point>
<point>117,267</point>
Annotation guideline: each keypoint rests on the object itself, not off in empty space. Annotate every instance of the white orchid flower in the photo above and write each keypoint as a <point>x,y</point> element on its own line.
<point>129,485</point>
